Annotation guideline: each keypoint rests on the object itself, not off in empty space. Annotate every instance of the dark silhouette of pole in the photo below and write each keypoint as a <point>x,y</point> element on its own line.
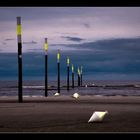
<point>81,75</point>
<point>78,76</point>
<point>19,40</point>
<point>58,69</point>
<point>46,67</point>
<point>72,76</point>
<point>68,64</point>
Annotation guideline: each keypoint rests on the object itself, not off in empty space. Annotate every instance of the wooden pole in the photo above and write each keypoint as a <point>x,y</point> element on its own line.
<point>58,69</point>
<point>81,75</point>
<point>19,40</point>
<point>72,76</point>
<point>68,63</point>
<point>46,67</point>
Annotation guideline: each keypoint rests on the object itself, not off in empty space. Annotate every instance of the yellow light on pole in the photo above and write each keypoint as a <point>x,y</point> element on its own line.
<point>68,61</point>
<point>72,68</point>
<point>78,71</point>
<point>46,45</point>
<point>58,56</point>
<point>18,29</point>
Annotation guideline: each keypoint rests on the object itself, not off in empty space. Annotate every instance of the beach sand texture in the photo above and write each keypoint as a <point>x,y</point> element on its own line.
<point>67,114</point>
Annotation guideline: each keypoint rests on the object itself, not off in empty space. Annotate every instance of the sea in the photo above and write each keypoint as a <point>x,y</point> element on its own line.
<point>100,88</point>
<point>94,83</point>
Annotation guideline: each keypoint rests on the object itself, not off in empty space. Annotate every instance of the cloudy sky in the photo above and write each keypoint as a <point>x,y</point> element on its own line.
<point>66,25</point>
<point>103,39</point>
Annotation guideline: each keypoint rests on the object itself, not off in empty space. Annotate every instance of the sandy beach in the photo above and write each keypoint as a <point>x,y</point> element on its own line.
<point>67,114</point>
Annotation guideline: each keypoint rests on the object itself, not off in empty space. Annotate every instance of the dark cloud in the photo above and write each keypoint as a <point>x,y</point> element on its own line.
<point>70,33</point>
<point>105,59</point>
<point>9,39</point>
<point>111,45</point>
<point>76,39</point>
<point>36,49</point>
<point>87,25</point>
<point>4,43</point>
<point>32,42</point>
<point>66,33</point>
<point>58,45</point>
<point>110,56</point>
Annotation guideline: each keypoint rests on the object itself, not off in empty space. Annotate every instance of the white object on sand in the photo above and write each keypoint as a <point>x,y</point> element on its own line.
<point>86,86</point>
<point>56,94</point>
<point>98,116</point>
<point>76,95</point>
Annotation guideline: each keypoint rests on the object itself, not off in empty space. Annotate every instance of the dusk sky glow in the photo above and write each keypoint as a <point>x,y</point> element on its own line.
<point>59,24</point>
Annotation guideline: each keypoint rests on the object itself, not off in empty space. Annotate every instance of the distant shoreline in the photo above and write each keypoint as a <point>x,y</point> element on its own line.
<point>105,88</point>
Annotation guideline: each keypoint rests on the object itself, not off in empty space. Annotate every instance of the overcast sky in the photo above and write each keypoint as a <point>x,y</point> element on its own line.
<point>66,25</point>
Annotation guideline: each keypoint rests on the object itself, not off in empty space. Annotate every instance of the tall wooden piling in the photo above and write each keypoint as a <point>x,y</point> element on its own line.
<point>72,68</point>
<point>19,40</point>
<point>78,74</point>
<point>81,76</point>
<point>46,66</point>
<point>68,64</point>
<point>58,70</point>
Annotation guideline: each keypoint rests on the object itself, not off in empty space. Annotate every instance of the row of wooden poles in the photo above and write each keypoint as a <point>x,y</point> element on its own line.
<point>19,40</point>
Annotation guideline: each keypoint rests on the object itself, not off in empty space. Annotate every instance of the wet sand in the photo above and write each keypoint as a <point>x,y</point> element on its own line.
<point>66,114</point>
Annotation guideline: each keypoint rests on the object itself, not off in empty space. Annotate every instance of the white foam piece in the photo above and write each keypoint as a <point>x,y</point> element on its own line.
<point>33,86</point>
<point>26,96</point>
<point>137,85</point>
<point>99,95</point>
<point>56,94</point>
<point>37,96</point>
<point>76,95</point>
<point>98,116</point>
